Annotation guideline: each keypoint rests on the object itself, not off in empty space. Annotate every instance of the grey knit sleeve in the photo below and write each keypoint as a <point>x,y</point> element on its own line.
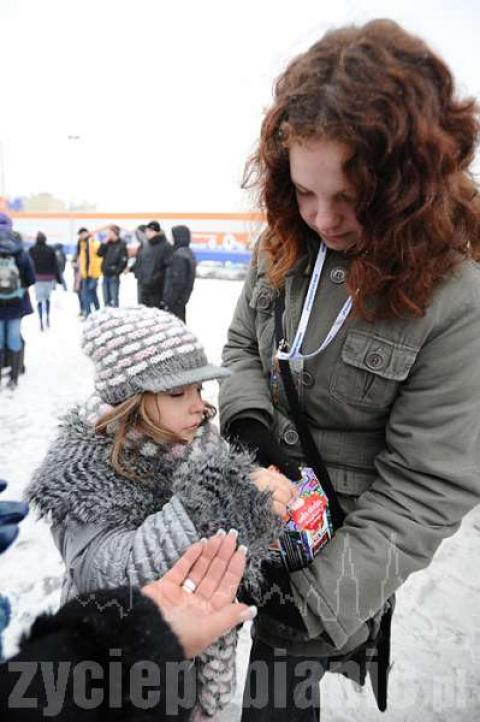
<point>102,558</point>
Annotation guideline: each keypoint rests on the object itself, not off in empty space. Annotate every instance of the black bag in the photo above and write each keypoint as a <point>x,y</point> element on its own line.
<point>373,657</point>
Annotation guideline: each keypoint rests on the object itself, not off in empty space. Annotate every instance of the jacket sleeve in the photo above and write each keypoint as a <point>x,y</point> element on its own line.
<point>123,258</point>
<point>81,638</point>
<point>100,558</point>
<point>102,250</point>
<point>428,479</point>
<point>246,392</point>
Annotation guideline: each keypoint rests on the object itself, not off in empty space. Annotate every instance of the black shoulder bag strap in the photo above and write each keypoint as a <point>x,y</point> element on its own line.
<point>310,449</point>
<point>381,645</point>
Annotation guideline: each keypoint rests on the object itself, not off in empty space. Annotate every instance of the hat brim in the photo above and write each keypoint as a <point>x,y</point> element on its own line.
<point>166,382</point>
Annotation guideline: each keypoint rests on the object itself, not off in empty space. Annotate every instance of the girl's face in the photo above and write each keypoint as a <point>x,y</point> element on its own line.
<point>180,411</point>
<point>326,199</point>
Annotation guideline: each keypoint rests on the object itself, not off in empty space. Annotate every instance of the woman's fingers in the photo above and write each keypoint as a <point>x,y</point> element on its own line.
<point>227,587</point>
<point>218,565</point>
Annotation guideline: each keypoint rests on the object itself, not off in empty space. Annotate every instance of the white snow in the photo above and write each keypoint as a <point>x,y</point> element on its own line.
<point>436,631</point>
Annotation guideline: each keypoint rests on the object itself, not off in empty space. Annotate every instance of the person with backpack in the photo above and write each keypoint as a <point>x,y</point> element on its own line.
<point>47,274</point>
<point>16,275</point>
<point>356,339</point>
<point>181,273</point>
<point>114,257</point>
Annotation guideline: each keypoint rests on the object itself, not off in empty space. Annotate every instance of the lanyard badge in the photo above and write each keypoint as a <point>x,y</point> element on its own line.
<point>294,353</point>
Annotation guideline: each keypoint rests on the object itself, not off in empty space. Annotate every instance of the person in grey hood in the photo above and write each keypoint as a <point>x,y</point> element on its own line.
<point>138,473</point>
<point>181,273</point>
<point>366,286</point>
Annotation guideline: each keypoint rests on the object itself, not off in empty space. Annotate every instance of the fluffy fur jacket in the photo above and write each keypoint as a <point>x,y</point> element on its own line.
<point>113,531</point>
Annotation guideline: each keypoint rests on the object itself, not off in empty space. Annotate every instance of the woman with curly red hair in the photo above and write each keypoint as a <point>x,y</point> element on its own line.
<point>367,267</point>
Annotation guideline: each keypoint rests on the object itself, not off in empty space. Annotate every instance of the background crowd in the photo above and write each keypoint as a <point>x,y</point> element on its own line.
<point>165,273</point>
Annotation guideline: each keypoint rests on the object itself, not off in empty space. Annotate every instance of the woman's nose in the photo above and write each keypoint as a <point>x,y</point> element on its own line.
<point>326,219</point>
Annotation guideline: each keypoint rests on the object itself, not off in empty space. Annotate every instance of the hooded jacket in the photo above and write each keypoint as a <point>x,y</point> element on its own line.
<point>181,272</point>
<point>11,244</point>
<point>112,531</point>
<point>393,406</point>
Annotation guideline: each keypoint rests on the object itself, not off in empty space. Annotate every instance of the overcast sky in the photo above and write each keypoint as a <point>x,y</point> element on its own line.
<point>167,96</point>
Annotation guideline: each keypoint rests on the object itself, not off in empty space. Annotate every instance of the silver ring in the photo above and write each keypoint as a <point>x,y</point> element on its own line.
<point>189,585</point>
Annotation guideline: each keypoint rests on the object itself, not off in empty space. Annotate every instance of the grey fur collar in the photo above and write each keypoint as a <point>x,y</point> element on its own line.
<point>77,479</point>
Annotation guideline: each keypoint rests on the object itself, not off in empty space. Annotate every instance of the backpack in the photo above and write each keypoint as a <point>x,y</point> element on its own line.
<point>10,280</point>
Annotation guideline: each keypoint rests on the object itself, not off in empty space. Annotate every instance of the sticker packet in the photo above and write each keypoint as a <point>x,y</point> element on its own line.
<point>308,526</point>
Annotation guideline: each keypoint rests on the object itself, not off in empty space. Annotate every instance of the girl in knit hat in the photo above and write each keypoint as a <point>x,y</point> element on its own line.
<point>138,473</point>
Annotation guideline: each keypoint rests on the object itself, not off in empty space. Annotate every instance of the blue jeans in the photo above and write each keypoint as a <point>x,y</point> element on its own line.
<point>89,295</point>
<point>111,288</point>
<point>10,334</point>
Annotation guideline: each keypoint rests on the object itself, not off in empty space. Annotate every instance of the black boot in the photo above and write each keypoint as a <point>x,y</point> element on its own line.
<point>16,360</point>
<point>40,313</point>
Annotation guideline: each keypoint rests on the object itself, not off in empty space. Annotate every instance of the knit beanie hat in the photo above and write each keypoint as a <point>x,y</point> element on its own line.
<point>143,349</point>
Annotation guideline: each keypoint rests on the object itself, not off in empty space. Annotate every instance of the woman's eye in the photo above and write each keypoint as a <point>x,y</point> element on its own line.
<point>175,394</point>
<point>346,198</point>
<point>302,193</point>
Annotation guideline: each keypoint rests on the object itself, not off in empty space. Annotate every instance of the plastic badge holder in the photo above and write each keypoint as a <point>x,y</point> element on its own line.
<point>308,526</point>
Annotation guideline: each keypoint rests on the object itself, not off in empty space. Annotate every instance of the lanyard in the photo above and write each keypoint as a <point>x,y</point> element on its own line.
<point>295,352</point>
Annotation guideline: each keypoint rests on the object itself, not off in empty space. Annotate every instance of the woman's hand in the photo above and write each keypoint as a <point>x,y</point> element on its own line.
<point>196,597</point>
<point>282,488</point>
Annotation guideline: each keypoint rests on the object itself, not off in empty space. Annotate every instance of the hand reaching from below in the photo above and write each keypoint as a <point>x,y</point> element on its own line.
<point>197,595</point>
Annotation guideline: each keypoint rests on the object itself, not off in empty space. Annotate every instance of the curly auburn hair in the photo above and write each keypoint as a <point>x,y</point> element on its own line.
<point>390,99</point>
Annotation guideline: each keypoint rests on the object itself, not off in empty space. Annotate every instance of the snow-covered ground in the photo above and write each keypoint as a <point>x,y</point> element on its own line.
<point>436,631</point>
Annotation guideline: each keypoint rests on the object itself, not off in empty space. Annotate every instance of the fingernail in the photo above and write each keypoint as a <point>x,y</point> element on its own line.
<point>249,614</point>
<point>234,533</point>
<point>221,532</point>
<point>203,540</point>
<point>243,549</point>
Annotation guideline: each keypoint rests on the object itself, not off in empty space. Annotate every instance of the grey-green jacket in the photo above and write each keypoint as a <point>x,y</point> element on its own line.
<point>394,407</point>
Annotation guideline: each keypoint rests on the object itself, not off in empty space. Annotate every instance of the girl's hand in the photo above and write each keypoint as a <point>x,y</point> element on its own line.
<point>283,489</point>
<point>197,596</point>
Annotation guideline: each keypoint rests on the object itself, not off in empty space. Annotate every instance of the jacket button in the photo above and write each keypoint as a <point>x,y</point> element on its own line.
<point>338,275</point>
<point>290,437</point>
<point>375,361</point>
<point>263,302</point>
<point>307,379</point>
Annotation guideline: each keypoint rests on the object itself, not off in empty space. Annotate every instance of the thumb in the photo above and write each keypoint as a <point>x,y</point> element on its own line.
<point>219,623</point>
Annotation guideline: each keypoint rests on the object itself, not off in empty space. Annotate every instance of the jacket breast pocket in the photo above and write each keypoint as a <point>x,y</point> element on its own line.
<point>371,370</point>
<point>263,302</point>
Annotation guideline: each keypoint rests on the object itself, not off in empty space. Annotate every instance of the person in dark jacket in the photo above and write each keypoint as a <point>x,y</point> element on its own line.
<point>115,257</point>
<point>181,273</point>
<point>16,275</point>
<point>153,259</point>
<point>47,274</point>
<point>61,262</point>
<point>105,644</point>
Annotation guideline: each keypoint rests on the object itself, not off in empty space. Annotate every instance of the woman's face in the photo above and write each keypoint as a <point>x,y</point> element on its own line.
<point>179,411</point>
<point>326,199</point>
